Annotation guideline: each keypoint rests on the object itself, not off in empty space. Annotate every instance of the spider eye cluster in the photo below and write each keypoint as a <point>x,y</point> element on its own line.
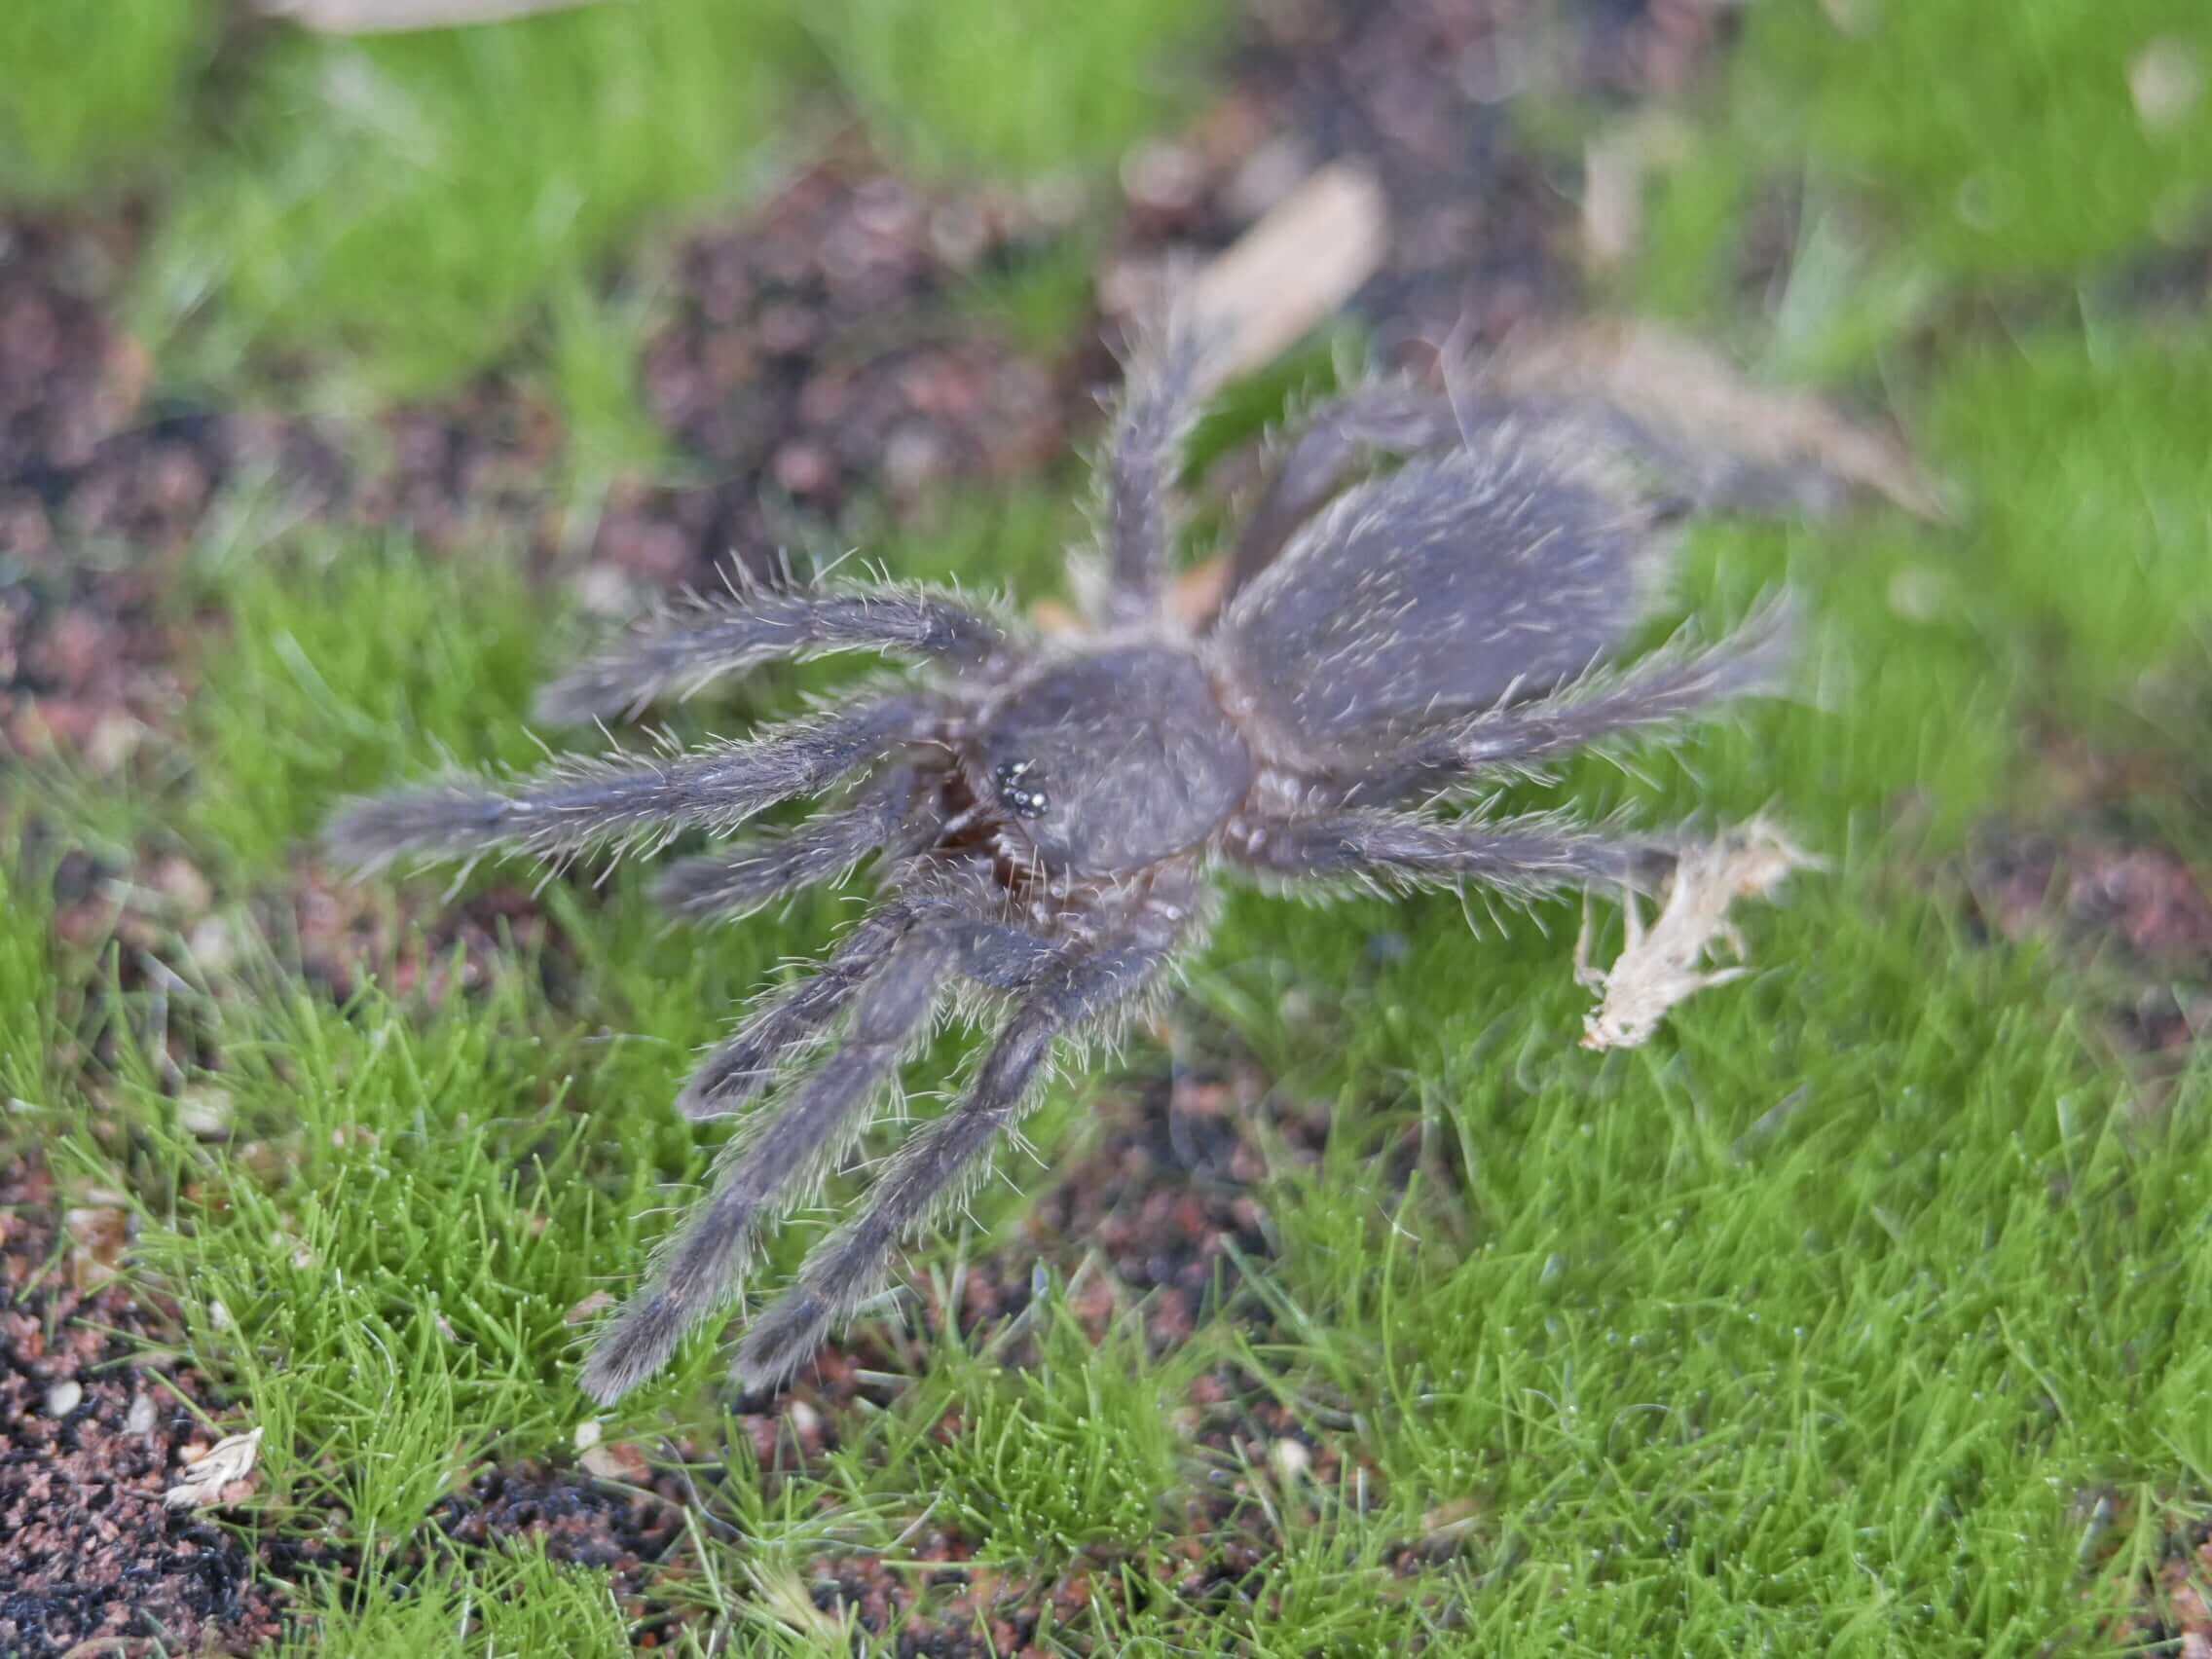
<point>1018,784</point>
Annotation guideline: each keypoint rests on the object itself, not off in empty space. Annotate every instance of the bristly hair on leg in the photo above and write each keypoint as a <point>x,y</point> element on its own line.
<point>683,651</point>
<point>1651,699</point>
<point>1518,859</point>
<point>763,1172</point>
<point>943,1160</point>
<point>1659,691</point>
<point>743,1066</point>
<point>885,816</point>
<point>1169,375</point>
<point>580,805</point>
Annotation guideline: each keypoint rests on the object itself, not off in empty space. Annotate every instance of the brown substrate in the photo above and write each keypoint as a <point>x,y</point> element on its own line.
<point>91,1436</point>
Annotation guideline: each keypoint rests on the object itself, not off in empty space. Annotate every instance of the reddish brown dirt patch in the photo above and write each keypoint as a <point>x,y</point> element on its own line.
<point>2139,897</point>
<point>626,1530</point>
<point>816,352</point>
<point>89,1441</point>
<point>1169,1197</point>
<point>2127,910</point>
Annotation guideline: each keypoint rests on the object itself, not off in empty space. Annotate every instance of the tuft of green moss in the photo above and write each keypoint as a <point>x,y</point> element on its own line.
<point>350,660</point>
<point>982,86</point>
<point>409,201</point>
<point>89,102</point>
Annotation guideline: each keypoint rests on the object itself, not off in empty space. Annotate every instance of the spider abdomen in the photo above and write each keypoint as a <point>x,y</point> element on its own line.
<point>1493,571</point>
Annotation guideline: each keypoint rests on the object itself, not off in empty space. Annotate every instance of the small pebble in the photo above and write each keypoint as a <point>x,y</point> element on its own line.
<point>64,1398</point>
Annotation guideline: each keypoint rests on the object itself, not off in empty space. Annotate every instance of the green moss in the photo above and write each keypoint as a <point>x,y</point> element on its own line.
<point>2083,450</point>
<point>1072,1453</point>
<point>89,101</point>
<point>410,200</point>
<point>2007,148</point>
<point>991,86</point>
<point>27,988</point>
<point>516,1600</point>
<point>350,661</point>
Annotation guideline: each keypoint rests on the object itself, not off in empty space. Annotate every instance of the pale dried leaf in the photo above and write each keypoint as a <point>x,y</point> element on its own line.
<point>1617,165</point>
<point>597,1302</point>
<point>1691,394</point>
<point>2166,81</point>
<point>222,1466</point>
<point>401,17</point>
<point>1197,591</point>
<point>1665,962</point>
<point>1294,269</point>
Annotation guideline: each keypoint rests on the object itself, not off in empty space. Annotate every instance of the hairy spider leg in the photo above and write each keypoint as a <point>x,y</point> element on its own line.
<point>683,651</point>
<point>1166,383</point>
<point>1659,692</point>
<point>1523,858</point>
<point>575,805</point>
<point>890,812</point>
<point>942,1160</point>
<point>763,1172</point>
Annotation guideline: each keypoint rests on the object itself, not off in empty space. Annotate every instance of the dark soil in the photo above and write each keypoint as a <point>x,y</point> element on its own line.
<point>91,1436</point>
<point>817,355</point>
<point>813,357</point>
<point>2127,913</point>
<point>626,1527</point>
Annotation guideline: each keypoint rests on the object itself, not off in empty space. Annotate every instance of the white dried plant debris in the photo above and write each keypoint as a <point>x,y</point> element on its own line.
<point>1617,166</point>
<point>2166,81</point>
<point>1669,961</point>
<point>213,1472</point>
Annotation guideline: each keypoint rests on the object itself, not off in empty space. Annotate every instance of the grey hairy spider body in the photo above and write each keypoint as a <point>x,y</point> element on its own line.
<point>1049,820</point>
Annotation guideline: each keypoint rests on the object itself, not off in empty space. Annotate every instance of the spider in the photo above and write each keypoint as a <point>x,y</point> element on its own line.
<point>1052,817</point>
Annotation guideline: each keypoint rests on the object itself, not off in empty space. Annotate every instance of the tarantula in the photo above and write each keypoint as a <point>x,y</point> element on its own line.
<point>1049,817</point>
